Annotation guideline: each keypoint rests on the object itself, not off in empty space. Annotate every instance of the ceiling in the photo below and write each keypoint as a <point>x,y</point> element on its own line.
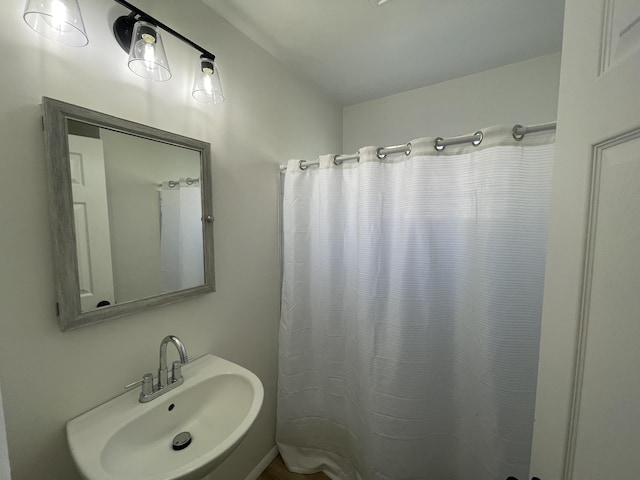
<point>356,51</point>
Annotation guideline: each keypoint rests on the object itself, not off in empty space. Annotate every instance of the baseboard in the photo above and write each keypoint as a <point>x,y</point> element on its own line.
<point>264,463</point>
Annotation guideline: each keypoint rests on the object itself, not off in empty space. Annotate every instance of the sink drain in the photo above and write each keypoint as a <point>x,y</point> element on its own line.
<point>181,441</point>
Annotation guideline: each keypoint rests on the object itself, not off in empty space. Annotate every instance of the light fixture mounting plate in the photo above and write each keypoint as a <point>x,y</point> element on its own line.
<point>123,30</point>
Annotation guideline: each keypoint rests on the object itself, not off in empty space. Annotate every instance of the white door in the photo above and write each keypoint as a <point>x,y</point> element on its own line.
<point>91,217</point>
<point>588,401</point>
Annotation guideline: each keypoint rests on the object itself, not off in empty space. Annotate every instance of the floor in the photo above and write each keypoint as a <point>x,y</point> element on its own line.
<point>278,471</point>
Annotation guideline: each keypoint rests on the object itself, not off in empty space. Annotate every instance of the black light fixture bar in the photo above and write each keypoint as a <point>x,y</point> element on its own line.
<point>145,16</point>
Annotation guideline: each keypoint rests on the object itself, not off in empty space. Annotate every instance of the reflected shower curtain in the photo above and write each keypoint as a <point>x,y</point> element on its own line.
<point>181,245</point>
<point>411,306</point>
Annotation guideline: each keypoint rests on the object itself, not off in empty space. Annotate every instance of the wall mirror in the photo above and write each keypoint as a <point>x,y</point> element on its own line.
<point>130,209</point>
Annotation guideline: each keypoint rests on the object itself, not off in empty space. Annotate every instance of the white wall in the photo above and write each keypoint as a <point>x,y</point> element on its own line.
<point>524,92</point>
<point>48,376</point>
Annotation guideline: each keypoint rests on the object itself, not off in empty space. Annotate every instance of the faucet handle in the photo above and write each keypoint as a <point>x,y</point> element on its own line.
<point>176,371</point>
<point>147,379</point>
<point>147,384</point>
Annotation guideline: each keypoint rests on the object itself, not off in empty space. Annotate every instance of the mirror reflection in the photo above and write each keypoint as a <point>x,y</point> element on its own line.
<point>137,212</point>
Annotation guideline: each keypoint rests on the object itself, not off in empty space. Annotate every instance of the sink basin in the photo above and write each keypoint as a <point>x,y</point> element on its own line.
<point>124,439</point>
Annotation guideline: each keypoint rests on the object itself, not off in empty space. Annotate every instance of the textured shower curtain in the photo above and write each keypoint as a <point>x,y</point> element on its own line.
<point>411,305</point>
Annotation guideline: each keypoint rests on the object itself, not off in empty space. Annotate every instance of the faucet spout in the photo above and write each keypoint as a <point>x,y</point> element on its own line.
<point>162,369</point>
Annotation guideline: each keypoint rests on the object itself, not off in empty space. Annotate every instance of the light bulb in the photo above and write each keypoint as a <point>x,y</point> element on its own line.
<point>59,13</point>
<point>149,56</point>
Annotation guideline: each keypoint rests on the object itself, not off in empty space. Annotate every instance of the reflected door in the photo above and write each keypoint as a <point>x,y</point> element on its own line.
<point>91,218</point>
<point>587,421</point>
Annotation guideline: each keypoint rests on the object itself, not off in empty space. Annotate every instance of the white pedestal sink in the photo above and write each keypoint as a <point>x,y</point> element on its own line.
<point>124,439</point>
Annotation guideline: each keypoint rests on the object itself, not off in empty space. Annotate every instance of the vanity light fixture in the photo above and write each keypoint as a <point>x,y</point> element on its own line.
<point>139,35</point>
<point>57,20</point>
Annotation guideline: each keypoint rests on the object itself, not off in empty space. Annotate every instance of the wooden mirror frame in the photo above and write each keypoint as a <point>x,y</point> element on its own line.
<point>69,311</point>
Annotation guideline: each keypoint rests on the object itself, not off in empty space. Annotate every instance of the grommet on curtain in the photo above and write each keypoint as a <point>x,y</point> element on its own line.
<point>516,136</point>
<point>336,161</point>
<point>301,164</point>
<point>477,142</point>
<point>406,149</point>
<point>436,144</point>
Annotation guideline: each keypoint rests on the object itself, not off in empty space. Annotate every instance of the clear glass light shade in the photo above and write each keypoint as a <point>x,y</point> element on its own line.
<point>57,20</point>
<point>206,86</point>
<point>146,56</point>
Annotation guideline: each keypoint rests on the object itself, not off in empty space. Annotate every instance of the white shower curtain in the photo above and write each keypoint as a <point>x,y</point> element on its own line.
<point>181,244</point>
<point>411,305</point>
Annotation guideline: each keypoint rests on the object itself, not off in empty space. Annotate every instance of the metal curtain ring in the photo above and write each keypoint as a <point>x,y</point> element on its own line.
<point>380,155</point>
<point>477,142</point>
<point>336,161</point>
<point>517,136</point>
<point>407,152</point>
<point>436,144</point>
<point>302,167</point>
<point>172,183</point>
<point>189,181</point>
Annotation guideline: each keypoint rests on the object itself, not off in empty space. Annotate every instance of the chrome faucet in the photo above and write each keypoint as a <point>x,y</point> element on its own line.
<point>163,385</point>
<point>176,372</point>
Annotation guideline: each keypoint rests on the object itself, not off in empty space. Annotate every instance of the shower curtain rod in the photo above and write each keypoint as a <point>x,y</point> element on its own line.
<point>173,183</point>
<point>439,144</point>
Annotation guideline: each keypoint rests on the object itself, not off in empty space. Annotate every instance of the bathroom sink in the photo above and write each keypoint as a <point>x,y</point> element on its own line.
<point>124,439</point>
